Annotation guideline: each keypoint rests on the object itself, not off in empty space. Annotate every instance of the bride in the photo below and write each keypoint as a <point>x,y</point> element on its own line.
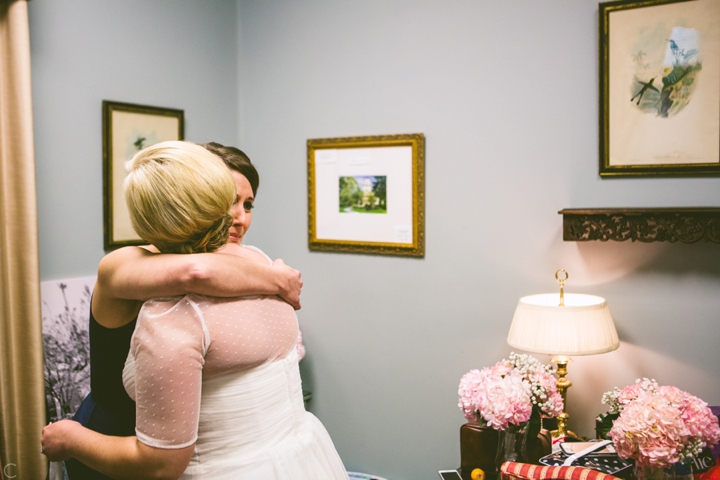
<point>216,381</point>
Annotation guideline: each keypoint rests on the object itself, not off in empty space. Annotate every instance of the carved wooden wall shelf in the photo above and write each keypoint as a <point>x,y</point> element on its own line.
<point>686,225</point>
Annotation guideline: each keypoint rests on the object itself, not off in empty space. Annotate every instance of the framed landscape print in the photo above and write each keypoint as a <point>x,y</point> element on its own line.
<point>127,129</point>
<point>659,71</point>
<point>366,194</point>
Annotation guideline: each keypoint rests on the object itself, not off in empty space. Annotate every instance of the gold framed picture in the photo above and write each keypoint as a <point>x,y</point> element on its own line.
<point>659,65</point>
<point>366,194</point>
<point>127,129</point>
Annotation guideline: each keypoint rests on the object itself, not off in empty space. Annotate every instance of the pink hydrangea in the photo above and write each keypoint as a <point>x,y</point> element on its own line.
<point>503,399</point>
<point>630,393</point>
<point>501,368</point>
<point>469,384</point>
<point>663,425</point>
<point>617,399</point>
<point>556,405</point>
<point>507,393</point>
<point>651,431</point>
<point>699,419</point>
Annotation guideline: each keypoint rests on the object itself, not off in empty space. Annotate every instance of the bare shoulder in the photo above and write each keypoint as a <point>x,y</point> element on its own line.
<point>108,309</point>
<point>122,255</point>
<point>111,311</point>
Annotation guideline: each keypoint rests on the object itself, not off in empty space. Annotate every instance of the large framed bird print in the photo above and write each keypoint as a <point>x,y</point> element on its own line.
<point>659,67</point>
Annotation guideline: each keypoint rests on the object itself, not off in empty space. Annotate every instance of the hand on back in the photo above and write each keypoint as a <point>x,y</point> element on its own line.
<point>292,283</point>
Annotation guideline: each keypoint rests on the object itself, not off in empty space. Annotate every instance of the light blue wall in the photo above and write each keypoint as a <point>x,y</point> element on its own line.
<point>178,54</point>
<point>506,94</point>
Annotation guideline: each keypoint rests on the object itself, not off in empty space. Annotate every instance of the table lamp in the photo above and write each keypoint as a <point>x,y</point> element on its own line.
<point>563,325</point>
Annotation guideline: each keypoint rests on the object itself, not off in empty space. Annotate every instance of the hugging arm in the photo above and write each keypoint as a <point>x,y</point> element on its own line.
<point>134,273</point>
<point>118,457</point>
<point>168,350</point>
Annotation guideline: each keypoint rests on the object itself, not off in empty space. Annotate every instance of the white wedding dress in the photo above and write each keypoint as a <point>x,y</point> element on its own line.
<point>253,425</point>
<point>223,374</point>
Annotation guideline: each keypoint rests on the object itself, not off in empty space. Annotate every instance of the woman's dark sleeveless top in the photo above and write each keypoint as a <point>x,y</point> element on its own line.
<point>109,348</point>
<point>107,409</point>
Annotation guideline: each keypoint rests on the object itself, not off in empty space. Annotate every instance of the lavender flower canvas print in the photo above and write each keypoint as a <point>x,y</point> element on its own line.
<point>65,310</point>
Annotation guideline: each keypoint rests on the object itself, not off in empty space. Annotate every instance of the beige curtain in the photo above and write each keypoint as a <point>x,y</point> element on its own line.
<point>22,404</point>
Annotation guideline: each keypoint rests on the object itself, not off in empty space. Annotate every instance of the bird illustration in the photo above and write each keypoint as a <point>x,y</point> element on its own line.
<point>679,54</point>
<point>645,87</point>
<point>140,142</point>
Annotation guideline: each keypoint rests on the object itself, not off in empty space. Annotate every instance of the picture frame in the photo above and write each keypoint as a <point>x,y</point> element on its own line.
<point>659,68</point>
<point>366,194</point>
<point>128,128</point>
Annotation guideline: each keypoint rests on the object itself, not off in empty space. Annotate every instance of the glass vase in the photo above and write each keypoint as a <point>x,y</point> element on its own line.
<point>675,472</point>
<point>512,445</point>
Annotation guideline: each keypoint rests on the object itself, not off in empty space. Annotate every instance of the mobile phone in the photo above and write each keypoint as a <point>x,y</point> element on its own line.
<point>571,448</point>
<point>449,475</point>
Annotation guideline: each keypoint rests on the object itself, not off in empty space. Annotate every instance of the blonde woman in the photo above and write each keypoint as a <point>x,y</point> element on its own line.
<point>130,275</point>
<point>216,381</point>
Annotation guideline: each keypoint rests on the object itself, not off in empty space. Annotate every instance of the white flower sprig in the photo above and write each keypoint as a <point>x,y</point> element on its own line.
<point>543,387</point>
<point>616,399</point>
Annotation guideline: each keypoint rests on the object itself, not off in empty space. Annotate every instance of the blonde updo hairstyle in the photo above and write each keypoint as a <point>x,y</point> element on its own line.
<point>179,197</point>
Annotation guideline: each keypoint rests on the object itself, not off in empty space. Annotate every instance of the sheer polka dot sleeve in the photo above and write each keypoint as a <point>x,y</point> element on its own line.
<point>169,347</point>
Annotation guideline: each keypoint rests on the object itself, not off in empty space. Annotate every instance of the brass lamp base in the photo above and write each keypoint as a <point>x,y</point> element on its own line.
<point>568,433</point>
<point>562,385</point>
<point>562,430</point>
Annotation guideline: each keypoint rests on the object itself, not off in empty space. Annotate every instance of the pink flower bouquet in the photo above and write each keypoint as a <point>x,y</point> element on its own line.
<point>506,394</point>
<point>659,426</point>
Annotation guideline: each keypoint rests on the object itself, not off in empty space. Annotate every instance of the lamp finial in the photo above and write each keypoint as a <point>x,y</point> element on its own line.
<point>562,285</point>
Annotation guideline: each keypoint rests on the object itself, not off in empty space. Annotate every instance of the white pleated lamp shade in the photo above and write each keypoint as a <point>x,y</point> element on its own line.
<point>583,326</point>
